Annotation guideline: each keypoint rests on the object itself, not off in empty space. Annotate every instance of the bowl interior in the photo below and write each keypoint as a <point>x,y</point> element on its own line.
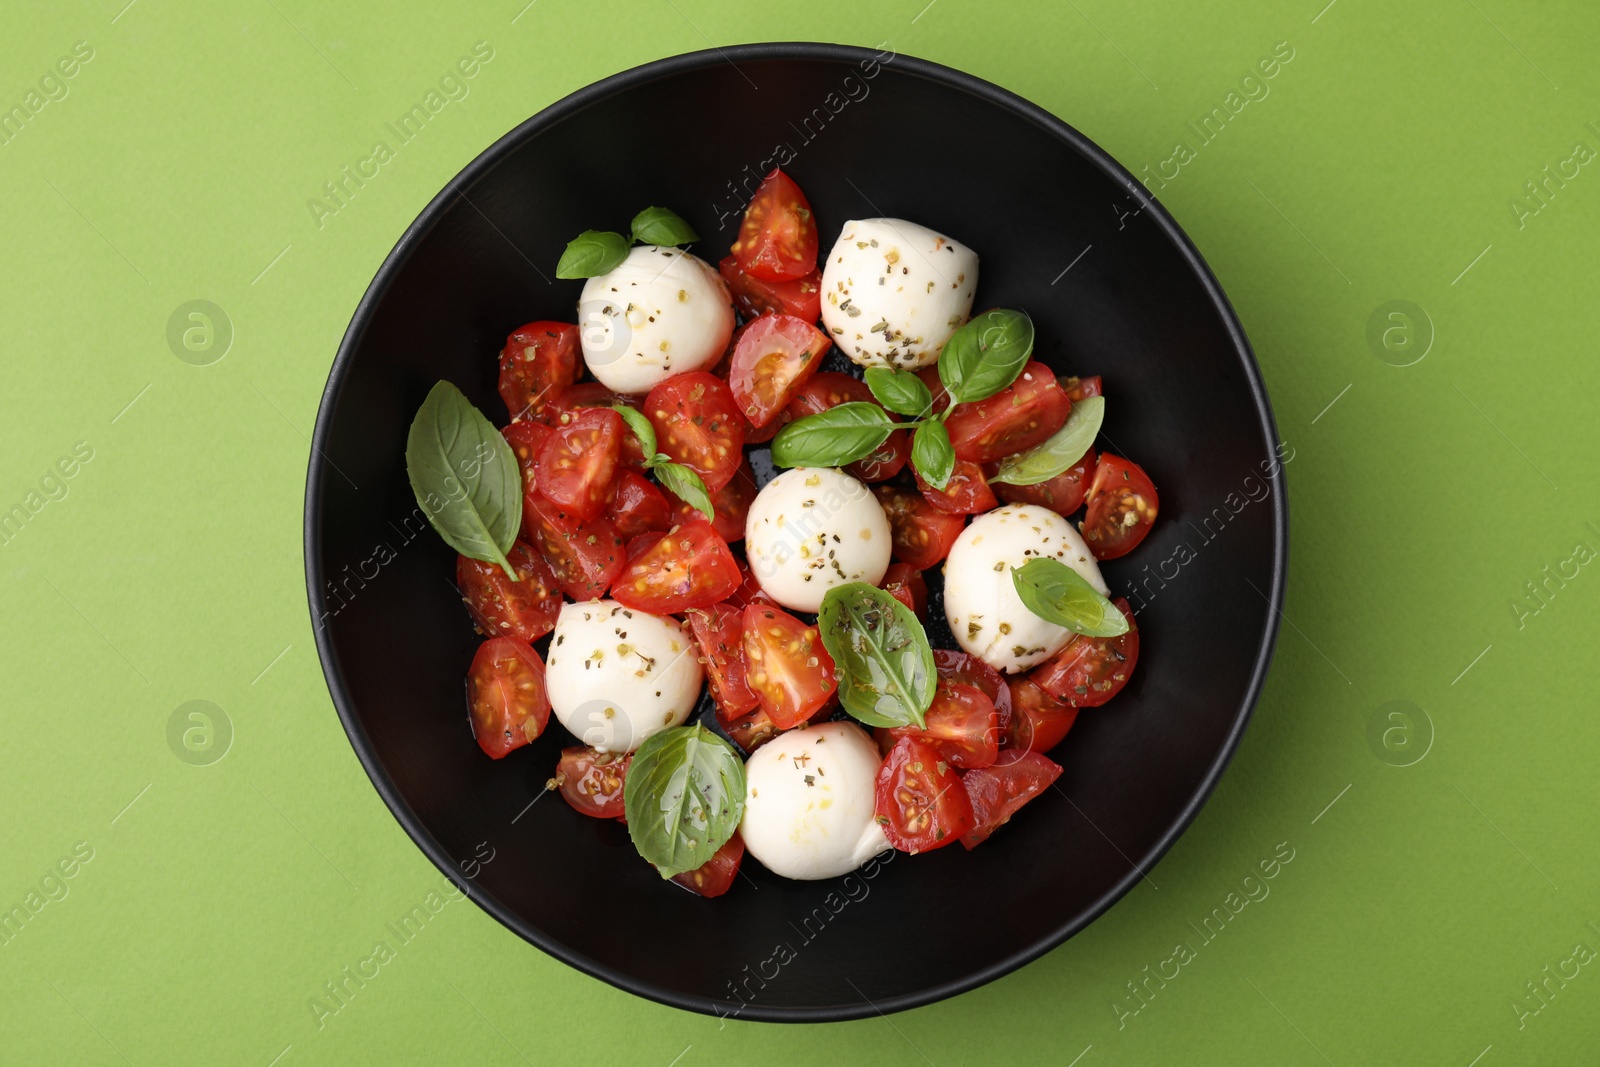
<point>1112,290</point>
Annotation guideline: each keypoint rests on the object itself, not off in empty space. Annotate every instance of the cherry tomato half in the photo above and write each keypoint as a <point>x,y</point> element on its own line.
<point>579,460</point>
<point>921,534</point>
<point>689,567</point>
<point>505,694</point>
<point>752,731</point>
<point>698,425</point>
<point>970,670</point>
<point>1122,507</point>
<point>585,396</point>
<point>786,665</point>
<point>1091,670</point>
<point>778,238</point>
<point>1063,494</point>
<point>997,792</point>
<point>638,507</point>
<point>961,725</point>
<point>966,493</point>
<point>592,781</point>
<point>1038,720</point>
<point>715,877</point>
<point>828,389</point>
<point>730,505</point>
<point>1080,388</point>
<point>525,609</point>
<point>526,439</point>
<point>919,799</point>
<point>538,361</point>
<point>1013,420</point>
<point>774,356</point>
<point>801,297</point>
<point>905,583</point>
<point>719,631</point>
<point>585,557</point>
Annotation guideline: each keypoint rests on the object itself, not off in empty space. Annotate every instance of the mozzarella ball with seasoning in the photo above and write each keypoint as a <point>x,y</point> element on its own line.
<point>812,528</point>
<point>808,807</point>
<point>660,312</point>
<point>616,675</point>
<point>981,604</point>
<point>893,292</point>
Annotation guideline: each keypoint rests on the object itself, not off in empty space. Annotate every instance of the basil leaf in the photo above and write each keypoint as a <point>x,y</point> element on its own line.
<point>684,796</point>
<point>932,454</point>
<point>658,226</point>
<point>832,438</point>
<point>641,427</point>
<point>591,253</point>
<point>880,653</point>
<point>1060,450</point>
<point>900,391</point>
<point>986,355</point>
<point>686,485</point>
<point>465,476</point>
<point>1057,593</point>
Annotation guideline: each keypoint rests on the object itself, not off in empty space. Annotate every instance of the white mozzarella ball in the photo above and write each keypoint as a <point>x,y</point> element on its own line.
<point>808,808</point>
<point>981,604</point>
<point>660,312</point>
<point>812,528</point>
<point>616,675</point>
<point>893,292</point>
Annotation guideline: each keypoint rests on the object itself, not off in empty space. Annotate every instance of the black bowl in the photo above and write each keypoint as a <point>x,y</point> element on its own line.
<point>1114,287</point>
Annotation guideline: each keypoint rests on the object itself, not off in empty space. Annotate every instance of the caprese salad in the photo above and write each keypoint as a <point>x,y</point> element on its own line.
<point>618,557</point>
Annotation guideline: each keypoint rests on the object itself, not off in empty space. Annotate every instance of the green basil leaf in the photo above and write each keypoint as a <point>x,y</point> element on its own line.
<point>465,476</point>
<point>932,454</point>
<point>686,485</point>
<point>641,427</point>
<point>832,438</point>
<point>591,253</point>
<point>880,653</point>
<point>1057,593</point>
<point>986,355</point>
<point>900,391</point>
<point>684,796</point>
<point>658,226</point>
<point>1060,450</point>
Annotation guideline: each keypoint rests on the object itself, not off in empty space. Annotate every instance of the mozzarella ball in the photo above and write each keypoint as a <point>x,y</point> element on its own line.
<point>808,807</point>
<point>812,528</point>
<point>981,604</point>
<point>660,312</point>
<point>616,675</point>
<point>893,292</point>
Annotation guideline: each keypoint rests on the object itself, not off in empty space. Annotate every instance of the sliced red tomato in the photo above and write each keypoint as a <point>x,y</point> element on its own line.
<point>1091,670</point>
<point>1122,507</point>
<point>961,726</point>
<point>719,631</point>
<point>1063,494</point>
<point>730,505</point>
<point>579,460</point>
<point>773,358</point>
<point>997,792</point>
<point>752,731</point>
<point>505,694</point>
<point>576,399</point>
<point>638,507</point>
<point>778,239</point>
<point>698,425</point>
<point>525,609</point>
<point>715,877</point>
<point>585,556</point>
<point>1038,720</point>
<point>638,546</point>
<point>970,670</point>
<point>828,389</point>
<point>786,665</point>
<point>526,438</point>
<point>966,493</point>
<point>749,591</point>
<point>592,781</point>
<point>922,534</point>
<point>1080,388</point>
<point>905,583</point>
<point>538,361</point>
<point>690,567</point>
<point>1013,420</point>
<point>919,800</point>
<point>801,297</point>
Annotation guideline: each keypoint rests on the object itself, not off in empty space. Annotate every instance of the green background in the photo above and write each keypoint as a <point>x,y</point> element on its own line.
<point>1382,166</point>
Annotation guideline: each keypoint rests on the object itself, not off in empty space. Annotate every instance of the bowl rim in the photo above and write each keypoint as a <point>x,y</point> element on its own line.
<point>569,106</point>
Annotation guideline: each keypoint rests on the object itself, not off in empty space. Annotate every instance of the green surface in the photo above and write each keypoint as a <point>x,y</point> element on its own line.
<point>1382,166</point>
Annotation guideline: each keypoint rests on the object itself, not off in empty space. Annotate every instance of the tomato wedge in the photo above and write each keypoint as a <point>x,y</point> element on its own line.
<point>591,781</point>
<point>961,726</point>
<point>801,297</point>
<point>538,361</point>
<point>1080,388</point>
<point>525,609</point>
<point>786,665</point>
<point>586,396</point>
<point>689,567</point>
<point>752,731</point>
<point>921,534</point>
<point>774,356</point>
<point>1013,420</point>
<point>749,590</point>
<point>1091,670</point>
<point>959,667</point>
<point>585,557</point>
<point>778,238</point>
<point>698,425</point>
<point>719,631</point>
<point>828,389</point>
<point>1122,507</point>
<point>526,439</point>
<point>966,493</point>
<point>730,505</point>
<point>997,792</point>
<point>638,507</point>
<point>1063,494</point>
<point>905,583</point>
<point>1038,720</point>
<point>505,695</point>
<point>579,460</point>
<point>715,877</point>
<point>920,802</point>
